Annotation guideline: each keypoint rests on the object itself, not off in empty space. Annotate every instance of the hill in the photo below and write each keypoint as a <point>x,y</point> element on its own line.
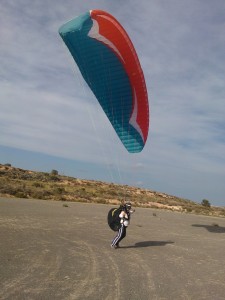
<point>16,182</point>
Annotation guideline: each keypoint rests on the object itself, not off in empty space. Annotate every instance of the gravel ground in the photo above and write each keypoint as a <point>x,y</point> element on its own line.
<point>49,251</point>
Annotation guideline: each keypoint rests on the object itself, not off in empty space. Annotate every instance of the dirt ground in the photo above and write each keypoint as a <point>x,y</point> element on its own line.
<point>49,251</point>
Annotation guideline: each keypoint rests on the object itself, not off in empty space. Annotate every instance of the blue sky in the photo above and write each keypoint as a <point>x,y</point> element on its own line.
<point>50,120</point>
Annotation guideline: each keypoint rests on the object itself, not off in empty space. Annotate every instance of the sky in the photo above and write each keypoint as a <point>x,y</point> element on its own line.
<point>49,119</point>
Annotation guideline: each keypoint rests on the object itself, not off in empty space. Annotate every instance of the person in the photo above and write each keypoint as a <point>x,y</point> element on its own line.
<point>124,216</point>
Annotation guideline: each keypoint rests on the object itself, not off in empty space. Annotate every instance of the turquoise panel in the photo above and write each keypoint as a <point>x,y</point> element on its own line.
<point>106,77</point>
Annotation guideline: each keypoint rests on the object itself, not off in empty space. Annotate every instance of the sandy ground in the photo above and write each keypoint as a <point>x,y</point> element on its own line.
<point>49,251</point>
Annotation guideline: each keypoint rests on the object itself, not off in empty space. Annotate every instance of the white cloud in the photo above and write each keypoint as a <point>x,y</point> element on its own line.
<point>46,107</point>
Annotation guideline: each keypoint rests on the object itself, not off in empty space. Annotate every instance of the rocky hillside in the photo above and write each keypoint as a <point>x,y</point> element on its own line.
<point>16,182</point>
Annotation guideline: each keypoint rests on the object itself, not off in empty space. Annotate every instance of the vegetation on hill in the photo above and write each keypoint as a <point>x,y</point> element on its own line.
<point>16,182</point>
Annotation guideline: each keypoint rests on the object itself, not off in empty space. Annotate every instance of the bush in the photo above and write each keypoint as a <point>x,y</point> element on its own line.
<point>59,190</point>
<point>20,195</point>
<point>7,165</point>
<point>41,195</point>
<point>54,178</point>
<point>205,203</point>
<point>54,172</point>
<point>38,184</point>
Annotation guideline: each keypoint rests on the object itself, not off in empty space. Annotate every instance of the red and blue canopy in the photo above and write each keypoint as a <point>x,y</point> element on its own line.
<point>109,64</point>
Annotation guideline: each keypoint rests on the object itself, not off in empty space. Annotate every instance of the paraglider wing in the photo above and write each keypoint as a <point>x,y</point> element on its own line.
<point>109,64</point>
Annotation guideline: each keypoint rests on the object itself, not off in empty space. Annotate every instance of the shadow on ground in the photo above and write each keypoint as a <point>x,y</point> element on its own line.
<point>149,244</point>
<point>211,228</point>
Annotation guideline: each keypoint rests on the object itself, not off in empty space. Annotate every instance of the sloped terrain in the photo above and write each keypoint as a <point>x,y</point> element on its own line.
<point>16,182</point>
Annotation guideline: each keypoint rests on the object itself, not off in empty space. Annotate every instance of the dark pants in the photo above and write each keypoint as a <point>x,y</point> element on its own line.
<point>120,235</point>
